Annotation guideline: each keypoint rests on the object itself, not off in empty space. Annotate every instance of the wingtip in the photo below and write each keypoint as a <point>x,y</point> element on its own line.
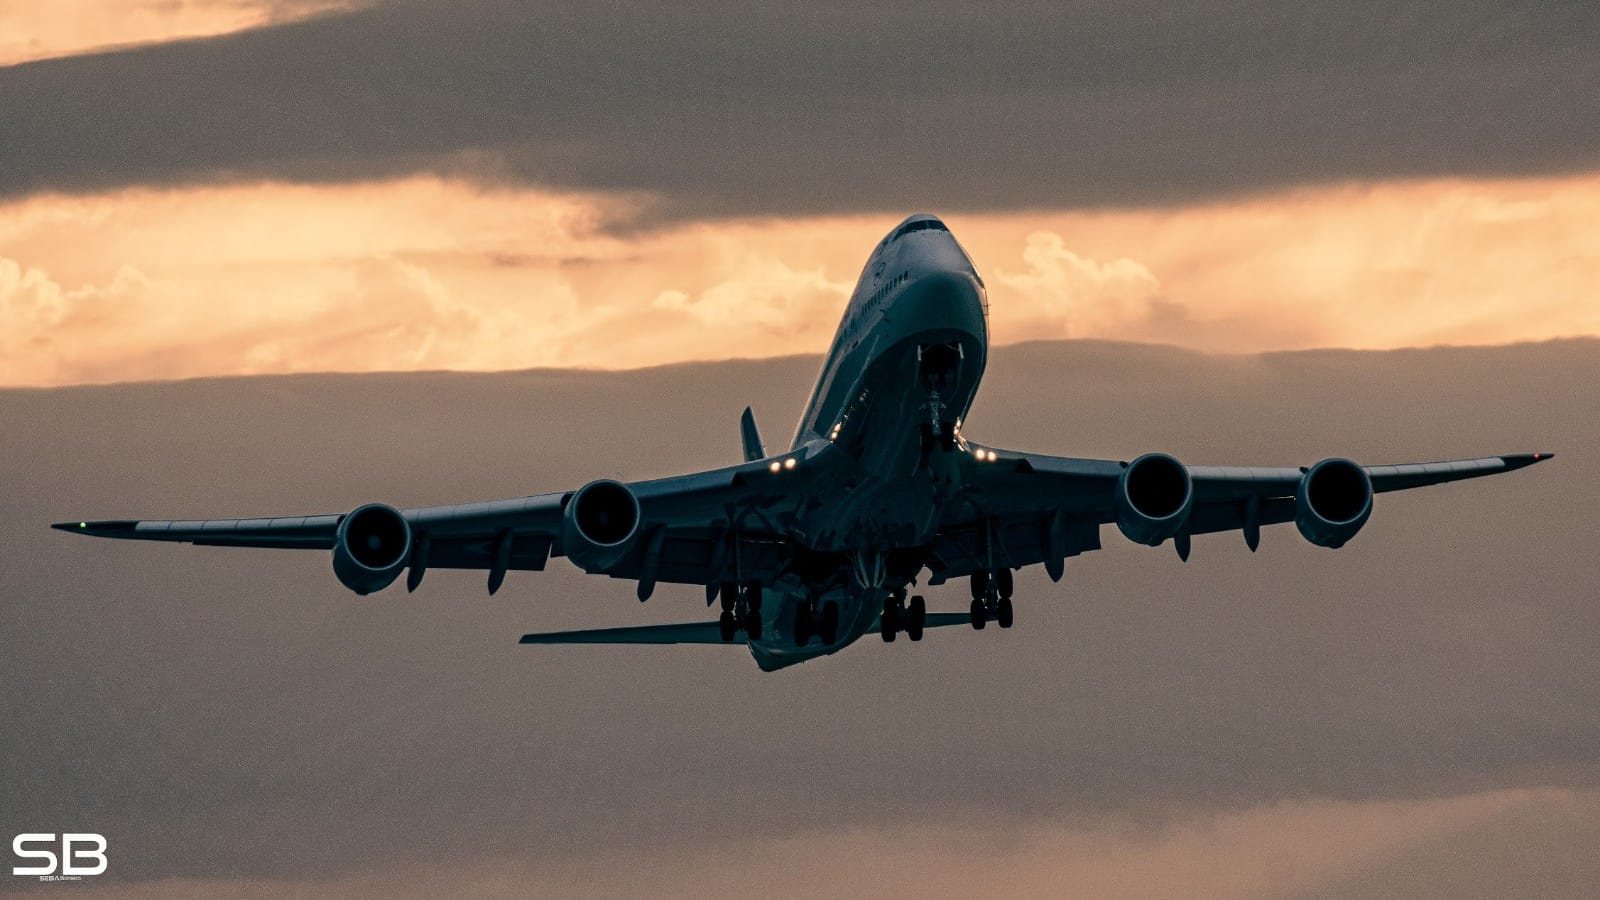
<point>1518,460</point>
<point>108,528</point>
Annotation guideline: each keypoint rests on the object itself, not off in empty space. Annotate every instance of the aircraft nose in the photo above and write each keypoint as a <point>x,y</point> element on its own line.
<point>948,300</point>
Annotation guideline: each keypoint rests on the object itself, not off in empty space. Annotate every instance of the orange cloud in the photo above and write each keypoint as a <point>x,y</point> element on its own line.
<point>30,29</point>
<point>431,273</point>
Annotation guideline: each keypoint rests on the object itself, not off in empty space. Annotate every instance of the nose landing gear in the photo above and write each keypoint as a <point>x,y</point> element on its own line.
<point>939,366</point>
<point>741,610</point>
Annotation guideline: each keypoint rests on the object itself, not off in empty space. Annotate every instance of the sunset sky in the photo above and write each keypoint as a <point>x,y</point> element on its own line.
<point>195,188</point>
<point>416,185</point>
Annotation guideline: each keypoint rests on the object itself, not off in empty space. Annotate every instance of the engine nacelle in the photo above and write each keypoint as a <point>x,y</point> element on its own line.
<point>1153,498</point>
<point>1332,502</point>
<point>600,525</point>
<point>371,547</point>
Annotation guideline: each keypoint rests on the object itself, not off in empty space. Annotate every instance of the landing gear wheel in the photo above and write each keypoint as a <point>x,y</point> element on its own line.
<point>829,630</point>
<point>752,623</point>
<point>980,614</point>
<point>1005,582</point>
<point>728,593</point>
<point>727,625</point>
<point>889,622</point>
<point>1003,613</point>
<point>802,624</point>
<point>916,617</point>
<point>980,585</point>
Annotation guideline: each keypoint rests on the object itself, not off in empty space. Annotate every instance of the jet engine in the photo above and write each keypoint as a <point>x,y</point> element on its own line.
<point>1153,498</point>
<point>1332,502</point>
<point>370,548</point>
<point>600,525</point>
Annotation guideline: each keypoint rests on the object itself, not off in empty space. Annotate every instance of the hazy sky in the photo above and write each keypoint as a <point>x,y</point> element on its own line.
<point>1410,716</point>
<point>484,185</point>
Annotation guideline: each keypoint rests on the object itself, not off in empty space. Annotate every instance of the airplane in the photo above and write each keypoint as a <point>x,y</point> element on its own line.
<point>812,548</point>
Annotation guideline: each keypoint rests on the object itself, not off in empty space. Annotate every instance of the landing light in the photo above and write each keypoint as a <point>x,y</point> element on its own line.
<point>788,463</point>
<point>775,466</point>
<point>991,456</point>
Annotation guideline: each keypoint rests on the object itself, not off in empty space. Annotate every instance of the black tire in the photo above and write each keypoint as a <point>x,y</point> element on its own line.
<point>727,625</point>
<point>980,584</point>
<point>980,615</point>
<point>752,624</point>
<point>1007,582</point>
<point>1003,613</point>
<point>728,592</point>
<point>889,622</point>
<point>802,624</point>
<point>753,598</point>
<point>829,630</point>
<point>916,618</point>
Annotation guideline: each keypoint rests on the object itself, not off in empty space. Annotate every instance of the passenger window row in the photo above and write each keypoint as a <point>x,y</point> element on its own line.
<point>891,284</point>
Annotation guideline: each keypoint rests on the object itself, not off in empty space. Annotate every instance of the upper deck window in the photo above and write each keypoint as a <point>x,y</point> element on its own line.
<point>919,225</point>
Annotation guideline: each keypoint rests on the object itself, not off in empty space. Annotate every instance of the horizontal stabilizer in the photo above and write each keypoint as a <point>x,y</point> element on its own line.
<point>679,633</point>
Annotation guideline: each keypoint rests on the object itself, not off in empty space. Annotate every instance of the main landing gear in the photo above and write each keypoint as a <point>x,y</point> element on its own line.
<point>818,619</point>
<point>991,598</point>
<point>899,616</point>
<point>741,609</point>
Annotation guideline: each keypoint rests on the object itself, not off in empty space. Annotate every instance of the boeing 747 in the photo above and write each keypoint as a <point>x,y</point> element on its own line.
<point>880,491</point>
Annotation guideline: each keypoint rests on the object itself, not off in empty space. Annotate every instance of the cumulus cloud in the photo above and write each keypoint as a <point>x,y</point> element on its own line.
<point>1071,296</point>
<point>431,273</point>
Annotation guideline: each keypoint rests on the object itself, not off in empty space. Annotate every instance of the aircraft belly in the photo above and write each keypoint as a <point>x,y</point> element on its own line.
<point>777,649</point>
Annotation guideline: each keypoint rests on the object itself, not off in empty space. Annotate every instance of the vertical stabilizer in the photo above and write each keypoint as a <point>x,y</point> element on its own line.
<point>752,438</point>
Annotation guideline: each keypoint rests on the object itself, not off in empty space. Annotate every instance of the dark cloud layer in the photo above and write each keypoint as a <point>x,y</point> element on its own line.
<point>720,107</point>
<point>236,713</point>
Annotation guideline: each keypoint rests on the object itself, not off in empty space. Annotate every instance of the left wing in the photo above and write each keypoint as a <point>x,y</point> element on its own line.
<point>1024,508</point>
<point>704,528</point>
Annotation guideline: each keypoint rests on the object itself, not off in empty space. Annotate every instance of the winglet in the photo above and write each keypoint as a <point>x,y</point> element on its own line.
<point>752,438</point>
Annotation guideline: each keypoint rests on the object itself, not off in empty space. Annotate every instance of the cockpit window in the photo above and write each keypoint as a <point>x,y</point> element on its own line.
<point>919,225</point>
